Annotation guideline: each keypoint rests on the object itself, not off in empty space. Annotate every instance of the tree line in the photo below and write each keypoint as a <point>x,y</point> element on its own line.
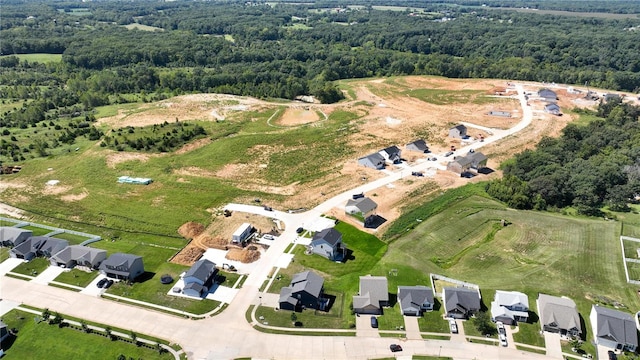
<point>588,167</point>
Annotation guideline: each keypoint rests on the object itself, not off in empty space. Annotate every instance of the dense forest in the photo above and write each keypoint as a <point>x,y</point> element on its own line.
<point>284,50</point>
<point>588,167</point>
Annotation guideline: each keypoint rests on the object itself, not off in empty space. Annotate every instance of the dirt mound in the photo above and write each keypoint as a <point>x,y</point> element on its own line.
<point>188,256</point>
<point>190,230</point>
<point>206,241</point>
<point>243,255</point>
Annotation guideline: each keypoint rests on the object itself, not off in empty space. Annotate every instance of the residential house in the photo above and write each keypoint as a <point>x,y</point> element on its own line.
<point>122,266</point>
<point>614,329</point>
<point>199,278</point>
<point>510,307</point>
<point>304,292</point>
<point>38,246</point>
<point>13,236</point>
<point>373,161</point>
<point>414,300</point>
<point>373,295</point>
<point>552,109</point>
<point>363,206</point>
<point>458,132</point>
<point>459,165</point>
<point>242,233</point>
<point>392,154</point>
<point>78,255</point>
<point>328,243</point>
<point>548,95</point>
<point>460,303</point>
<point>478,160</point>
<point>418,145</point>
<point>559,315</point>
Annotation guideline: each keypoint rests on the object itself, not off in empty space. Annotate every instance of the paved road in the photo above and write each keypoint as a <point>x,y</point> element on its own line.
<point>228,335</point>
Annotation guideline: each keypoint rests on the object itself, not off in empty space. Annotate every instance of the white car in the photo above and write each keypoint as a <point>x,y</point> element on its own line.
<point>502,333</point>
<point>453,326</point>
<point>268,237</point>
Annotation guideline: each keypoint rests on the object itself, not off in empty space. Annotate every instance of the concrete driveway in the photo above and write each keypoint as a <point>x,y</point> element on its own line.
<point>9,265</point>
<point>552,344</point>
<point>363,326</point>
<point>92,289</point>
<point>48,275</point>
<point>412,328</point>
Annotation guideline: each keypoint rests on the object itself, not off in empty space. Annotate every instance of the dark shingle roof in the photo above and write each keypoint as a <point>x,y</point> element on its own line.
<point>330,235</point>
<point>616,325</point>
<point>412,297</point>
<point>120,259</point>
<point>201,270</point>
<point>462,299</point>
<point>419,144</point>
<point>364,204</point>
<point>307,281</point>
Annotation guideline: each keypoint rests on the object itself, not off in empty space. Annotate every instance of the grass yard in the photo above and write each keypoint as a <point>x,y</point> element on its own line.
<point>471,330</point>
<point>446,97</point>
<point>538,252</point>
<point>73,239</point>
<point>4,254</point>
<point>432,321</point>
<point>306,319</point>
<point>33,267</point>
<point>587,347</point>
<point>77,277</point>
<point>529,334</point>
<point>37,231</point>
<point>65,343</point>
<point>153,291</point>
<point>38,57</point>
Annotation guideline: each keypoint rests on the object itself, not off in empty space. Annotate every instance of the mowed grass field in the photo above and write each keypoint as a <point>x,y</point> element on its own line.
<point>38,57</point>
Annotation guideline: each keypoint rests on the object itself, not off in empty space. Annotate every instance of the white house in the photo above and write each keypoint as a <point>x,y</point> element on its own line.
<point>510,307</point>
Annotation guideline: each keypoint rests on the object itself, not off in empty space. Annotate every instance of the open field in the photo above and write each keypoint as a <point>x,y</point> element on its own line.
<point>142,27</point>
<point>65,343</point>
<point>256,148</point>
<point>40,57</point>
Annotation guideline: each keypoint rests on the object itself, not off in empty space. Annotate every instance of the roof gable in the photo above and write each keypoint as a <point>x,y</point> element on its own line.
<point>376,287</point>
<point>615,325</point>
<point>330,235</point>
<point>559,311</point>
<point>201,270</point>
<point>461,299</point>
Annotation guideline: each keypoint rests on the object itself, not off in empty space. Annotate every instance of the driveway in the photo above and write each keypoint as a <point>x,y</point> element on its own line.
<point>92,289</point>
<point>460,336</point>
<point>363,326</point>
<point>510,333</point>
<point>552,344</point>
<point>9,265</point>
<point>48,275</point>
<point>412,328</point>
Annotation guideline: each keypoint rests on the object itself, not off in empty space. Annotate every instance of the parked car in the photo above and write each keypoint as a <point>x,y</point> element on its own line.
<point>108,284</point>
<point>299,230</point>
<point>101,283</point>
<point>453,326</point>
<point>268,237</point>
<point>357,196</point>
<point>268,208</point>
<point>417,173</point>
<point>503,340</point>
<point>448,154</point>
<point>374,322</point>
<point>395,347</point>
<point>612,355</point>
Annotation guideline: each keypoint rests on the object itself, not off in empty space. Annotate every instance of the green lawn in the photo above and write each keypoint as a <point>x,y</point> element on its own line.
<point>306,319</point>
<point>33,267</point>
<point>529,334</point>
<point>73,239</point>
<point>4,254</point>
<point>432,321</point>
<point>153,291</point>
<point>38,57</point>
<point>37,231</point>
<point>77,277</point>
<point>64,343</point>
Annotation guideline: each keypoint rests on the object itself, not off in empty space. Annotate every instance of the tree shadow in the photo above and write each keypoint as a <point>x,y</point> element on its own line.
<point>348,256</point>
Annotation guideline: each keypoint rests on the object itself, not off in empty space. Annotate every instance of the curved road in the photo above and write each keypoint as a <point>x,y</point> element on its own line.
<point>228,335</point>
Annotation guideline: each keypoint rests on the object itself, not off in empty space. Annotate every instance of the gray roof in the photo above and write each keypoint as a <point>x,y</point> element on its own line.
<point>364,204</point>
<point>462,299</point>
<point>463,160</point>
<point>511,298</point>
<point>547,94</point>
<point>477,157</point>
<point>392,150</point>
<point>330,235</point>
<point>561,311</point>
<point>9,233</point>
<point>78,252</point>
<point>374,158</point>
<point>120,259</point>
<point>202,270</point>
<point>373,290</point>
<point>552,106</point>
<point>419,145</point>
<point>412,297</point>
<point>307,281</point>
<point>44,244</point>
<point>460,128</point>
<point>193,286</point>
<point>615,325</point>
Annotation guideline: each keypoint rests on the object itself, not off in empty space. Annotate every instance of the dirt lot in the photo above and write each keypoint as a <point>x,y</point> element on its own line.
<point>217,235</point>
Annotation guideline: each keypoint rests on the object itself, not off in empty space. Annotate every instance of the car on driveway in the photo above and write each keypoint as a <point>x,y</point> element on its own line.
<point>268,237</point>
<point>453,326</point>
<point>395,347</point>
<point>612,355</point>
<point>102,282</point>
<point>502,333</point>
<point>374,322</point>
<point>299,230</point>
<point>108,284</point>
